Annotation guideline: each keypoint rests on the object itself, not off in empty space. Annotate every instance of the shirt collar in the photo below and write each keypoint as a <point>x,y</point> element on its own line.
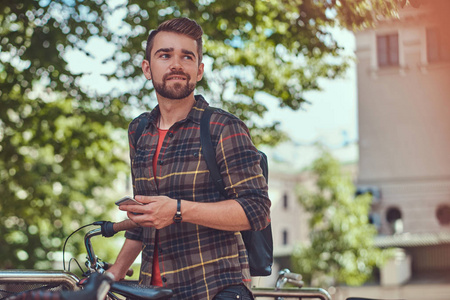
<point>194,115</point>
<point>197,110</point>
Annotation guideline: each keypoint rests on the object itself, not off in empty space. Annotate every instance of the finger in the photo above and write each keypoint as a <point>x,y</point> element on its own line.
<point>144,199</point>
<point>140,219</point>
<point>132,208</point>
<point>136,217</point>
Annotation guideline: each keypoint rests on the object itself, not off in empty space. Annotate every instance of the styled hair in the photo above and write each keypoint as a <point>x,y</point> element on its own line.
<point>183,26</point>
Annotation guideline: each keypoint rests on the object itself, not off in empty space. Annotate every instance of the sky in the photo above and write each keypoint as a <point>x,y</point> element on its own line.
<point>332,111</point>
<point>331,119</point>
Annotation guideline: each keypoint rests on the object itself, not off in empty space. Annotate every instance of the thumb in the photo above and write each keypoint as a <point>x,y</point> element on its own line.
<point>143,199</point>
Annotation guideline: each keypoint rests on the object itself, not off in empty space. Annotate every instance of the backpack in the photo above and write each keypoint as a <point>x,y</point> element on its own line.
<point>259,244</point>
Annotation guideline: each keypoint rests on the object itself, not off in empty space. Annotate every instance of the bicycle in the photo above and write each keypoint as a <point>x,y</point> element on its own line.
<point>64,285</point>
<point>20,284</point>
<point>96,287</point>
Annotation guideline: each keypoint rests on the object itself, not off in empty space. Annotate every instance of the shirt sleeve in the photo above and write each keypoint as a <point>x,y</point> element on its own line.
<point>239,163</point>
<point>135,233</point>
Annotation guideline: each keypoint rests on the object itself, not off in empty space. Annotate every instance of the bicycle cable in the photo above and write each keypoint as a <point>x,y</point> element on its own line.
<point>75,260</point>
<point>65,242</point>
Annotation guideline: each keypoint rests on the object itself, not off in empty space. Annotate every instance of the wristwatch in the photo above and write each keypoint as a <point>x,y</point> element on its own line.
<point>177,218</point>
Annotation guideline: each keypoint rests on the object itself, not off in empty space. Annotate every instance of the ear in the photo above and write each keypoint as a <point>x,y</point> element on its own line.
<point>201,69</point>
<point>146,69</point>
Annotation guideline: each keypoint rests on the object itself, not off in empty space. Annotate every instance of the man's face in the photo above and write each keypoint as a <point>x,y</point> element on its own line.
<point>173,66</point>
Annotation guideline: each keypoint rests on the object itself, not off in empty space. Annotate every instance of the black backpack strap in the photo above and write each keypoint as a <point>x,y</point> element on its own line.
<point>208,150</point>
<point>137,134</point>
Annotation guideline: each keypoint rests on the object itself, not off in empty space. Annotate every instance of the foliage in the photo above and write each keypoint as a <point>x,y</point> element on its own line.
<point>55,159</point>
<point>61,144</point>
<point>341,246</point>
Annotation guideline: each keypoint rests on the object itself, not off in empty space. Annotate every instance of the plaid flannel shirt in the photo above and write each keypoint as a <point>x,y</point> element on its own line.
<point>196,261</point>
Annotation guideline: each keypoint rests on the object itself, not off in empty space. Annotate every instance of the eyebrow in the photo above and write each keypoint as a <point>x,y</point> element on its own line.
<point>188,52</point>
<point>166,50</point>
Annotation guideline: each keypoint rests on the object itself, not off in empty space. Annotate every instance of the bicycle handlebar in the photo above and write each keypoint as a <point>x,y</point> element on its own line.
<point>285,276</point>
<point>107,229</point>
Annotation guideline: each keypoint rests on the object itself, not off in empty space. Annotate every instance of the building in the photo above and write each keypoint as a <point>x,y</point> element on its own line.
<point>403,71</point>
<point>289,220</point>
<point>403,74</point>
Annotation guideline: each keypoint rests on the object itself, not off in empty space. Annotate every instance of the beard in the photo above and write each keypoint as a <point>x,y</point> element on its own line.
<point>178,90</point>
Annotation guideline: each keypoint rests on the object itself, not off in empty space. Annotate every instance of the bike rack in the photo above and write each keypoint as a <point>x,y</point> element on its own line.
<point>303,293</point>
<point>64,280</point>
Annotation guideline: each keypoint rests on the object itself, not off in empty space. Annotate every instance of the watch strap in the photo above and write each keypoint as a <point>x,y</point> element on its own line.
<point>177,217</point>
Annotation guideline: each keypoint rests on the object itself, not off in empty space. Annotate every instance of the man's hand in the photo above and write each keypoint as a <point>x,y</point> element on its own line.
<point>126,257</point>
<point>157,211</point>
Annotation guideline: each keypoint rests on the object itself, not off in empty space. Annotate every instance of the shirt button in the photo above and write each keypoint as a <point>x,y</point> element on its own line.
<point>195,154</point>
<point>164,279</point>
<point>170,134</point>
<point>160,162</point>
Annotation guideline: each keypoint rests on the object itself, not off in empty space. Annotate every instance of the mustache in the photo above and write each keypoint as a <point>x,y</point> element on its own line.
<point>181,73</point>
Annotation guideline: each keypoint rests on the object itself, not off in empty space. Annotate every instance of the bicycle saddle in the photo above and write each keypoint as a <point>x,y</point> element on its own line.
<point>139,292</point>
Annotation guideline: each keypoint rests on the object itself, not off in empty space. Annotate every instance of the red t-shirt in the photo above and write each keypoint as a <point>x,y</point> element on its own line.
<point>156,274</point>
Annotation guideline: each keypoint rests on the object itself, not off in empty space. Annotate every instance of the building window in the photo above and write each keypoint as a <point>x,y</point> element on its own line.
<point>437,47</point>
<point>374,191</point>
<point>443,214</point>
<point>375,220</point>
<point>285,237</point>
<point>394,218</point>
<point>285,201</point>
<point>387,50</point>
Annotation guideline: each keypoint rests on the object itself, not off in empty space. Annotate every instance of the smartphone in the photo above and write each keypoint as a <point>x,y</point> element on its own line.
<point>127,200</point>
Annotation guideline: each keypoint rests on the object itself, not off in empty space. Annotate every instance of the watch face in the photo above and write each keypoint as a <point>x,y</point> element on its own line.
<point>177,218</point>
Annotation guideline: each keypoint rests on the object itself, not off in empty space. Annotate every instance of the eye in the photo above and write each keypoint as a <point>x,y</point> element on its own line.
<point>188,57</point>
<point>165,55</point>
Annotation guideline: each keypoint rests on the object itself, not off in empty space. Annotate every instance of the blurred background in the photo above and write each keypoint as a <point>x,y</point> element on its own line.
<point>349,100</point>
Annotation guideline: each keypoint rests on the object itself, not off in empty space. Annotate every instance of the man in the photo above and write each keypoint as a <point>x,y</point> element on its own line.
<point>189,234</point>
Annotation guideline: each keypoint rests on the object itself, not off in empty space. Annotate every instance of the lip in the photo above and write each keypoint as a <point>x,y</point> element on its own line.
<point>176,77</point>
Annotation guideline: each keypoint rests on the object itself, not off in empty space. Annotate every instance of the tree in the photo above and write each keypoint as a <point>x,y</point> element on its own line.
<point>341,246</point>
<point>56,162</point>
<point>59,144</point>
<point>59,151</point>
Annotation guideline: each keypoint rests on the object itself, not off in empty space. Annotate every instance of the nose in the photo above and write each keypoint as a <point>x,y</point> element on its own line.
<point>176,64</point>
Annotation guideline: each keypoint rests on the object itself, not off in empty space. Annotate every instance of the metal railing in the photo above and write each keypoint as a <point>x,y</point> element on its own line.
<point>292,293</point>
<point>280,293</point>
<point>66,280</point>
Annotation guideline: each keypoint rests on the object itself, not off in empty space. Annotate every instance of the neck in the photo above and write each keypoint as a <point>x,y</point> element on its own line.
<point>173,111</point>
